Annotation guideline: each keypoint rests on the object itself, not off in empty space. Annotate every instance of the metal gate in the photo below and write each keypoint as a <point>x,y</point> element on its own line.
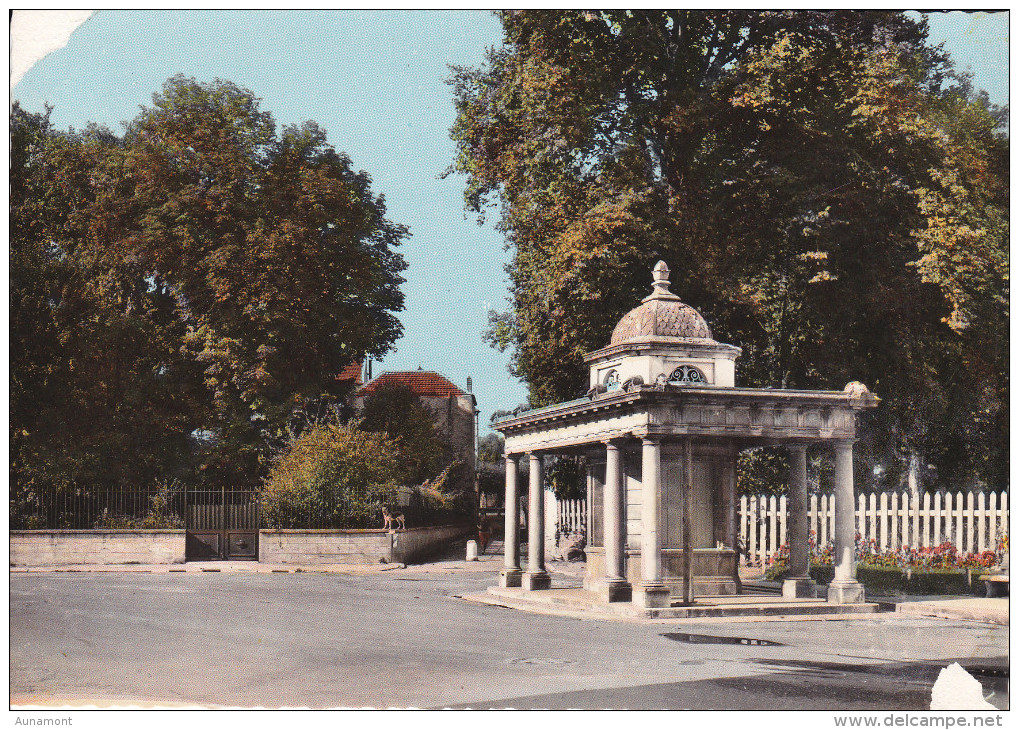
<point>221,524</point>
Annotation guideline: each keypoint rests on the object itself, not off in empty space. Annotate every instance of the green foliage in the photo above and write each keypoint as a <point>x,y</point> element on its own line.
<point>491,448</point>
<point>890,581</point>
<point>491,478</point>
<point>160,515</point>
<point>565,477</point>
<point>926,571</point>
<point>452,489</point>
<point>828,192</point>
<point>179,292</point>
<point>396,411</point>
<point>332,476</point>
<point>762,471</point>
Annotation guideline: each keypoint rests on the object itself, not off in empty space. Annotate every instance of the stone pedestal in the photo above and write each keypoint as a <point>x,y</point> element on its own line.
<point>536,581</point>
<point>846,592</point>
<point>799,588</point>
<point>655,595</point>
<point>510,577</point>
<point>615,591</point>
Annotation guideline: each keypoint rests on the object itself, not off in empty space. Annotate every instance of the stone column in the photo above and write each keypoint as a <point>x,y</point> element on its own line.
<point>732,516</point>
<point>798,583</point>
<point>844,588</point>
<point>688,598</point>
<point>509,576</point>
<point>652,592</point>
<point>616,587</point>
<point>536,578</point>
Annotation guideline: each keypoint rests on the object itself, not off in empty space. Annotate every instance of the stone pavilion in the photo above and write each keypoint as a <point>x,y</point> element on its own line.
<point>661,428</point>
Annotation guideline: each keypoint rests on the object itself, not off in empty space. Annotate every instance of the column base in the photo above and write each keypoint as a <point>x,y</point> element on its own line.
<point>536,581</point>
<point>799,587</point>
<point>615,591</point>
<point>510,577</point>
<point>845,592</point>
<point>652,595</point>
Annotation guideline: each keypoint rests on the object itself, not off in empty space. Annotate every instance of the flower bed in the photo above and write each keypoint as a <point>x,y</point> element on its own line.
<point>925,571</point>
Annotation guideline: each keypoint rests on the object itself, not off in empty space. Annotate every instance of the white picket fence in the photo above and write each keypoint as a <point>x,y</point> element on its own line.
<point>972,522</point>
<point>571,516</point>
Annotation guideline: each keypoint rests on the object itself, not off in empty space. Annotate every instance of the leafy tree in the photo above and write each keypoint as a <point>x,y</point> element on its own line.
<point>98,393</point>
<point>491,448</point>
<point>565,477</point>
<point>332,476</point>
<point>397,412</point>
<point>182,290</point>
<point>491,465</point>
<point>829,193</point>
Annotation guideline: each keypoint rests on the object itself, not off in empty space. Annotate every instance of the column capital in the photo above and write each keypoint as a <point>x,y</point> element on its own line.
<point>612,443</point>
<point>512,457</point>
<point>845,443</point>
<point>796,447</point>
<point>651,440</point>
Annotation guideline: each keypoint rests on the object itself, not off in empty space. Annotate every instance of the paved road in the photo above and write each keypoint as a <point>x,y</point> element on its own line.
<point>404,639</point>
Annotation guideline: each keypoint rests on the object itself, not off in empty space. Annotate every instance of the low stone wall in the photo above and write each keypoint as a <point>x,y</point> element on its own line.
<point>318,547</point>
<point>96,547</point>
<point>420,542</point>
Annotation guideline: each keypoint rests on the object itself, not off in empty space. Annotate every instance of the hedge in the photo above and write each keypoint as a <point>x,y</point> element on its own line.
<point>885,580</point>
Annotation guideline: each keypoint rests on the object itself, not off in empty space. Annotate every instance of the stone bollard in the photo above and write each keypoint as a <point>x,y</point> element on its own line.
<point>472,550</point>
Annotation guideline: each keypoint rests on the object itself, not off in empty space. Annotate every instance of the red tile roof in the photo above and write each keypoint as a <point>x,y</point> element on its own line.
<point>351,372</point>
<point>420,382</point>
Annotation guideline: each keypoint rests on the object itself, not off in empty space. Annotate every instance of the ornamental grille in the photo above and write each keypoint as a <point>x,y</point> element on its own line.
<point>687,374</point>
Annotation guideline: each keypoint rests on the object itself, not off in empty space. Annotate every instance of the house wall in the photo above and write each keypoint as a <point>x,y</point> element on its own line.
<point>96,547</point>
<point>453,417</point>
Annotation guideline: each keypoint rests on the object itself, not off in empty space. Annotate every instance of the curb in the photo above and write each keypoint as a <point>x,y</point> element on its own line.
<point>961,609</point>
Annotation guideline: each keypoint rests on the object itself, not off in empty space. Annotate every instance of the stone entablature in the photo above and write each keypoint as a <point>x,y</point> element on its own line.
<point>750,416</point>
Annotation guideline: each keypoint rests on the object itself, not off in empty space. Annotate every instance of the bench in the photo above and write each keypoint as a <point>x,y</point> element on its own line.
<point>996,584</point>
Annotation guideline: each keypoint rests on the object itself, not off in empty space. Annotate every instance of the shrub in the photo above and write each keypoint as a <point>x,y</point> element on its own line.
<point>331,477</point>
<point>160,515</point>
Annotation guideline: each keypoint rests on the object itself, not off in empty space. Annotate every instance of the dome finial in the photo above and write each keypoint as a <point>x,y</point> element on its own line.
<point>661,281</point>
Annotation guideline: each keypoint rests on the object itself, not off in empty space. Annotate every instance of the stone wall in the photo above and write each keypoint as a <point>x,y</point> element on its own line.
<point>96,547</point>
<point>318,547</point>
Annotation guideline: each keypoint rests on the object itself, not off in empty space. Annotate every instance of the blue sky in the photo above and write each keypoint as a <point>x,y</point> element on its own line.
<point>375,81</point>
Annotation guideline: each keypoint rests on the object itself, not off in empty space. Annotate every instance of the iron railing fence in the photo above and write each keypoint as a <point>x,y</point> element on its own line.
<point>97,508</point>
<point>215,509</point>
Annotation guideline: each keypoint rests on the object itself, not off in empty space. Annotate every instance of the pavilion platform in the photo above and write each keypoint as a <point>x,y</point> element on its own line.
<point>577,602</point>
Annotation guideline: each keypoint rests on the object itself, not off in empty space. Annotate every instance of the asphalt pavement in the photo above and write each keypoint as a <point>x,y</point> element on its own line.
<point>404,637</point>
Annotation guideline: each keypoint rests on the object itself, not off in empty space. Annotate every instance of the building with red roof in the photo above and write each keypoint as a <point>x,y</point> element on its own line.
<point>422,383</point>
<point>351,374</point>
<point>452,409</point>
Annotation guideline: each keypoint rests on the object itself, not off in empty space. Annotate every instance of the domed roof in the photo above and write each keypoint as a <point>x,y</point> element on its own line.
<point>661,314</point>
